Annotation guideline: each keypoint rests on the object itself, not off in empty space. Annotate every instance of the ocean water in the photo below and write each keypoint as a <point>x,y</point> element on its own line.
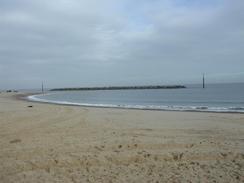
<point>215,98</point>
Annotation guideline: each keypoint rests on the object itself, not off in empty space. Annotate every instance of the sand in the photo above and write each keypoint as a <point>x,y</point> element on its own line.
<point>54,143</point>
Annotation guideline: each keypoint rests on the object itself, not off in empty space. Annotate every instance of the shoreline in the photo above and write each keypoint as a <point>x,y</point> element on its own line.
<point>26,97</point>
<point>57,143</point>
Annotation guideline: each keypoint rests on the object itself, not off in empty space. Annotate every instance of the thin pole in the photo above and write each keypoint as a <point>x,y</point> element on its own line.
<point>42,88</point>
<point>203,81</point>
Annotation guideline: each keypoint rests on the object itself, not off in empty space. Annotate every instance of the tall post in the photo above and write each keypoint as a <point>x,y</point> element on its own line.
<point>203,81</point>
<point>42,88</point>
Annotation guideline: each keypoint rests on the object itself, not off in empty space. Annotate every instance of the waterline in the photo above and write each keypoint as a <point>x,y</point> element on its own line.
<point>231,109</point>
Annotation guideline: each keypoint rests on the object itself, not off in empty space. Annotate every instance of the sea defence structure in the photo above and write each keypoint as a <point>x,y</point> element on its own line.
<point>122,88</point>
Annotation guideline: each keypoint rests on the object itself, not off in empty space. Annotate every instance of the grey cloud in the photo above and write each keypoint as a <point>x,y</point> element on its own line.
<point>87,43</point>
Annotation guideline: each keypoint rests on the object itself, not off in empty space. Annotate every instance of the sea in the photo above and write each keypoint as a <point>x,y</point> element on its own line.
<point>213,98</point>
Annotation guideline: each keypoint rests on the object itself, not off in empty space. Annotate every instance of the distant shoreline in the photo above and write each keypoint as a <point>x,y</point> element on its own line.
<point>122,88</point>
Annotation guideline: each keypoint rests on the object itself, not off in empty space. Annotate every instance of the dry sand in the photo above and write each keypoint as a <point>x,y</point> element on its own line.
<point>54,143</point>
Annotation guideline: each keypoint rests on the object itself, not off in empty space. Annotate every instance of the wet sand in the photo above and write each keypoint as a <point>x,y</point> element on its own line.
<point>55,143</point>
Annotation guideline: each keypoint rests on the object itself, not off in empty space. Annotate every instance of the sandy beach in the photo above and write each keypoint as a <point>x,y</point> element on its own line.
<point>55,143</point>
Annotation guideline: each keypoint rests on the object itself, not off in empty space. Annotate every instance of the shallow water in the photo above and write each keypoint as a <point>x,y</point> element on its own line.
<point>215,97</point>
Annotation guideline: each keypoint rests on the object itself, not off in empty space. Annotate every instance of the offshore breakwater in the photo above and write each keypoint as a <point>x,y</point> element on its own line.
<point>122,88</point>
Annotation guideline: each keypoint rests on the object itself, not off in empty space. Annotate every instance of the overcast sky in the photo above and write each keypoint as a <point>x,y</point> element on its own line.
<point>120,42</point>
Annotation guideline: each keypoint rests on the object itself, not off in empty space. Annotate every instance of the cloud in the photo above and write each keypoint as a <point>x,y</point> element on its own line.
<point>87,43</point>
